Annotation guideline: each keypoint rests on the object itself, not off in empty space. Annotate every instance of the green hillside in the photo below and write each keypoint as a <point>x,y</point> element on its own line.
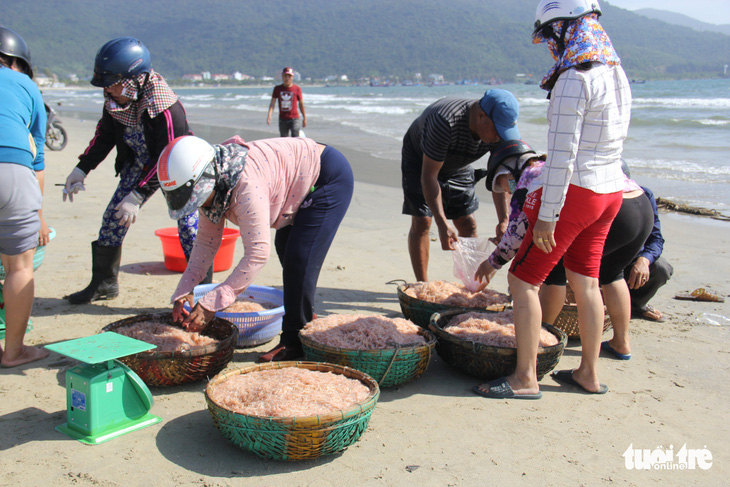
<point>456,38</point>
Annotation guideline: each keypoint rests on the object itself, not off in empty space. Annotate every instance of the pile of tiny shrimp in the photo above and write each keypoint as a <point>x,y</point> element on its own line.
<point>493,329</point>
<point>288,392</point>
<point>247,306</point>
<point>168,338</point>
<point>453,294</point>
<point>360,332</point>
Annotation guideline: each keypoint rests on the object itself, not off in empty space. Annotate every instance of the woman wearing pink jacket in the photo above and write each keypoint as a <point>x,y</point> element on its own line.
<point>294,185</point>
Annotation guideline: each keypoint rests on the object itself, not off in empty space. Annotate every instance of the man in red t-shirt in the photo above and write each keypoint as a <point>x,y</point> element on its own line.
<point>288,95</point>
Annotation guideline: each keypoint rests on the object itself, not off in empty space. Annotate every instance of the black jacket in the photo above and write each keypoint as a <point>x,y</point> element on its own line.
<point>158,132</point>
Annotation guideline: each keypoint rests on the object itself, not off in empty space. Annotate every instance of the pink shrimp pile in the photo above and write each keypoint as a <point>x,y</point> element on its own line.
<point>493,329</point>
<point>247,306</point>
<point>360,332</point>
<point>168,338</point>
<point>453,294</point>
<point>289,392</point>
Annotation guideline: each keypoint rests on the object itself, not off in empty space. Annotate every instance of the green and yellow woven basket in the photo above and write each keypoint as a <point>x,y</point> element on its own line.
<point>390,367</point>
<point>297,438</point>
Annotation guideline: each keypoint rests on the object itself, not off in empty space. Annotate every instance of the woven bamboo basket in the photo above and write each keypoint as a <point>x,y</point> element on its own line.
<point>567,319</point>
<point>294,438</point>
<point>390,367</point>
<point>175,368</point>
<point>485,361</point>
<point>419,311</point>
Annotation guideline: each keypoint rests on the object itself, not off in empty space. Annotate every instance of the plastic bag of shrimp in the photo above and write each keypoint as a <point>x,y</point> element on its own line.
<point>468,254</point>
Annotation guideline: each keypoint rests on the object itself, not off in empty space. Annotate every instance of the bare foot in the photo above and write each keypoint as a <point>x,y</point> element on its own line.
<point>29,354</point>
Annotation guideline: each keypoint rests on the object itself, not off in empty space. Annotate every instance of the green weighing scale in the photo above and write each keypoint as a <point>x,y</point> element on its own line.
<point>104,398</point>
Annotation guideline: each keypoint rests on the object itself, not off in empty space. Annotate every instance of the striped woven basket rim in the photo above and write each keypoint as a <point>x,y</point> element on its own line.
<point>444,335</point>
<point>364,407</point>
<point>153,354</point>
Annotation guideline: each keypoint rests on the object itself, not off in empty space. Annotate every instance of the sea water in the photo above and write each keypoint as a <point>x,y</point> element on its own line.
<point>678,144</point>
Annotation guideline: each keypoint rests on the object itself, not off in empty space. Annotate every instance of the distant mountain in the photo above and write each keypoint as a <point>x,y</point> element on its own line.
<point>460,39</point>
<point>679,19</point>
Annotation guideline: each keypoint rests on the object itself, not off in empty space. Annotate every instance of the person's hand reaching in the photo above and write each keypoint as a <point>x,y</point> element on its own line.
<point>74,184</point>
<point>484,274</point>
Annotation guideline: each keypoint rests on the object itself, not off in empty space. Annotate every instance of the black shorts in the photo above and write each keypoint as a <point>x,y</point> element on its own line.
<point>624,241</point>
<point>458,196</point>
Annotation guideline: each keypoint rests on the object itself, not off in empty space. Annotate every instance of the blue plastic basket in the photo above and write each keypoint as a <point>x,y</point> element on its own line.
<point>257,327</point>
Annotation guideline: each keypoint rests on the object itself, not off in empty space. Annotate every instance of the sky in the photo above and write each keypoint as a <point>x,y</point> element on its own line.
<point>710,11</point>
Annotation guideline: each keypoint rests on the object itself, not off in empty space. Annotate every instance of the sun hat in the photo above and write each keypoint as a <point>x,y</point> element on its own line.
<point>502,108</point>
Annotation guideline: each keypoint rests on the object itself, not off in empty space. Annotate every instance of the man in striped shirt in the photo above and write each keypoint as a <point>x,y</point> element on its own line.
<point>438,177</point>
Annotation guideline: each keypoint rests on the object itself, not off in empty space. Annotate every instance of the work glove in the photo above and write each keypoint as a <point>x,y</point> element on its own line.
<point>74,184</point>
<point>127,209</point>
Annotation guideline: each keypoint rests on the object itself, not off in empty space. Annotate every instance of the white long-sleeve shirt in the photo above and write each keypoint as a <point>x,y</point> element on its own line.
<point>589,116</point>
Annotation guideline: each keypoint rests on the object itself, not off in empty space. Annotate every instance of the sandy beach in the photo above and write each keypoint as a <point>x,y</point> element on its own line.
<point>433,431</point>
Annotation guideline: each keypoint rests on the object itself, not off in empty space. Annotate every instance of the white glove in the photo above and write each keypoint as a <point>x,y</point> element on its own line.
<point>127,208</point>
<point>74,184</point>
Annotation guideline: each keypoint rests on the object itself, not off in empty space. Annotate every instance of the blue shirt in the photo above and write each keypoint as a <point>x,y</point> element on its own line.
<point>654,244</point>
<point>22,120</point>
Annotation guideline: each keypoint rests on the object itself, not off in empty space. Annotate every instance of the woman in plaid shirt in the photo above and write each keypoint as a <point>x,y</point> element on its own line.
<point>578,193</point>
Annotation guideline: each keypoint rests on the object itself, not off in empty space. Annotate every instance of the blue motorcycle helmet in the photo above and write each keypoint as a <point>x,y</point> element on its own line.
<point>118,59</point>
<point>12,45</point>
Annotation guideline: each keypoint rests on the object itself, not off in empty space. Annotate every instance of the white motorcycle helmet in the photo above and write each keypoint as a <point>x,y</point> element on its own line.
<point>549,11</point>
<point>187,174</point>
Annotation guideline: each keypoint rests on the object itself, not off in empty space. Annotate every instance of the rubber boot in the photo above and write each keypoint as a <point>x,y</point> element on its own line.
<point>104,271</point>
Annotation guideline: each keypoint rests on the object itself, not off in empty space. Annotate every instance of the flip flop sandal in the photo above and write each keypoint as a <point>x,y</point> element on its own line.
<point>500,389</point>
<point>701,294</point>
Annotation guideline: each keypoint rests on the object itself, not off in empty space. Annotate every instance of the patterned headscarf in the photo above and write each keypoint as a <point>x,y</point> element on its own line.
<point>155,97</point>
<point>585,41</point>
<point>229,161</point>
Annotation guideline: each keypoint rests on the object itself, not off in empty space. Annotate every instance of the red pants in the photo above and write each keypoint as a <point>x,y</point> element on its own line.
<point>579,235</point>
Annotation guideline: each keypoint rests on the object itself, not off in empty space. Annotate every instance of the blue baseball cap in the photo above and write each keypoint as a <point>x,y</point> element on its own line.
<point>502,108</point>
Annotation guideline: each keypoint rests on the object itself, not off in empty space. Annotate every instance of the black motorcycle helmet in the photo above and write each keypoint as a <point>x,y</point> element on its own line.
<point>504,151</point>
<point>118,59</point>
<point>11,44</point>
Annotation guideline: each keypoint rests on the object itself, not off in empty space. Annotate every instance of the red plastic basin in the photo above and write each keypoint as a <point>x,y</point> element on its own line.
<point>175,257</point>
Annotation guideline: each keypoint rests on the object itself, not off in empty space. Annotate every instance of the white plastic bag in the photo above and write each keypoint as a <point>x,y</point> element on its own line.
<point>469,253</point>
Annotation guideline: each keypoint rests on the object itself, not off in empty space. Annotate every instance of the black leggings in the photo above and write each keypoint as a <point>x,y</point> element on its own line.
<point>625,239</point>
<point>302,246</point>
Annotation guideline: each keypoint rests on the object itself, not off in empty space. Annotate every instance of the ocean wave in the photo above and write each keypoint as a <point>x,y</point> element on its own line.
<point>681,169</point>
<point>713,122</point>
<point>533,102</point>
<point>711,103</point>
<point>691,122</point>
